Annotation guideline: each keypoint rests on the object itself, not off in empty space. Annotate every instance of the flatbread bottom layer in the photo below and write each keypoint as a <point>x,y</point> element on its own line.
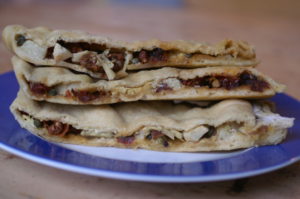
<point>162,126</point>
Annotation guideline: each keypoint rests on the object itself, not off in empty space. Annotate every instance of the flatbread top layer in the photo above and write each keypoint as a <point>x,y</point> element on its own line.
<point>105,58</point>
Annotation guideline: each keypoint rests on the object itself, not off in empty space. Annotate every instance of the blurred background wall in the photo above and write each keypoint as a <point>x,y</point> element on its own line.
<point>273,27</point>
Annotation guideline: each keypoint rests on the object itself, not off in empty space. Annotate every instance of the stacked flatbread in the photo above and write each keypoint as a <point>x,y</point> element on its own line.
<point>169,96</point>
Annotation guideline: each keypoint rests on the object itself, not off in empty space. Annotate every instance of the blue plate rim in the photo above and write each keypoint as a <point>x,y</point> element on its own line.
<point>140,177</point>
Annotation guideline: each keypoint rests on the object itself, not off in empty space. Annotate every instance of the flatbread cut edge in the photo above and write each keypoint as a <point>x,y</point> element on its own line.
<point>136,86</point>
<point>268,128</point>
<point>211,55</point>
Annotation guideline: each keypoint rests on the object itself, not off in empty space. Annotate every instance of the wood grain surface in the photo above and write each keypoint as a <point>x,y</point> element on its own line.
<point>271,26</point>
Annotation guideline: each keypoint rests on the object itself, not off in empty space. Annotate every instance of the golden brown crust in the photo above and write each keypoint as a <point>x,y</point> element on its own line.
<point>184,54</point>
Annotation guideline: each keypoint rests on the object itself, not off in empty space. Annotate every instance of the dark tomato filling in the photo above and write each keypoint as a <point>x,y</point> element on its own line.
<point>86,96</point>
<point>53,127</point>
<point>151,56</point>
<point>75,47</point>
<point>228,82</point>
<point>39,88</point>
<point>56,128</point>
<point>126,139</point>
<point>89,61</point>
<point>118,59</point>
